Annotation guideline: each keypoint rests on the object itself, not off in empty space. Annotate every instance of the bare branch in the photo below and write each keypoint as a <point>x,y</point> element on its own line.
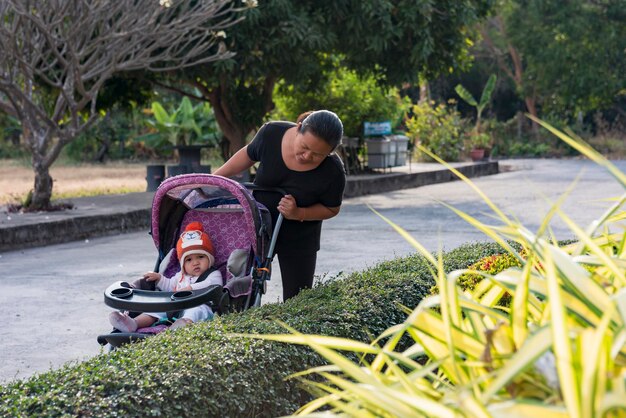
<point>55,56</point>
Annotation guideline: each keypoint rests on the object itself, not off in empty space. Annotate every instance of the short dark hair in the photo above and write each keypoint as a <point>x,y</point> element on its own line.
<point>324,124</point>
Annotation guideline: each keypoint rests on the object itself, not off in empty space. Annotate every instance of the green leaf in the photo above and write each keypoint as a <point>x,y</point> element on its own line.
<point>465,95</point>
<point>519,312</point>
<point>526,409</point>
<point>537,344</point>
<point>568,377</point>
<point>161,115</point>
<point>487,92</point>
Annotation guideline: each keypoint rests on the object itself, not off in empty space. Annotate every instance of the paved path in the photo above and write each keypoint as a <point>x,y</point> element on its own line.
<point>52,296</point>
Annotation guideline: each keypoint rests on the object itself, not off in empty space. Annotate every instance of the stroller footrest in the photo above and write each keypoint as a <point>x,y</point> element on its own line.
<point>117,339</point>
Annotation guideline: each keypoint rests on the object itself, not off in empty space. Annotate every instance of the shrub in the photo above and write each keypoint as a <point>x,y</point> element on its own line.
<point>514,138</point>
<point>204,370</point>
<point>437,128</point>
<point>355,99</point>
<point>491,265</point>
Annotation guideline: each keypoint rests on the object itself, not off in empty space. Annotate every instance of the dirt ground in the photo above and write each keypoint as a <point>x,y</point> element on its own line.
<point>17,178</point>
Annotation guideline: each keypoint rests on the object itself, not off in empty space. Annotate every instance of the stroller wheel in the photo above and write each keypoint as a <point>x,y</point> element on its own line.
<point>257,300</point>
<point>223,306</point>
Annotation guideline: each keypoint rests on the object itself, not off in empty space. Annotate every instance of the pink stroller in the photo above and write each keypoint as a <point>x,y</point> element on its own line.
<point>241,231</point>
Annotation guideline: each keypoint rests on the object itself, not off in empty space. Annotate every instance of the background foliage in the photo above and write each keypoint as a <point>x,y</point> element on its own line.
<point>355,99</point>
<point>438,128</point>
<point>295,56</point>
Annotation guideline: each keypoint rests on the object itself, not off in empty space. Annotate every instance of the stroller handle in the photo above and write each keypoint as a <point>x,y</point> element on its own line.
<point>252,186</point>
<point>279,220</point>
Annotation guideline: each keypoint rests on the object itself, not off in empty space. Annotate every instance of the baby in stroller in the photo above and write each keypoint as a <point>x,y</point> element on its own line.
<point>196,255</point>
<point>224,224</point>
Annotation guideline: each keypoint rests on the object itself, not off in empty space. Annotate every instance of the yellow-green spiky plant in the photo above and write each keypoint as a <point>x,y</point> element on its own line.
<point>557,351</point>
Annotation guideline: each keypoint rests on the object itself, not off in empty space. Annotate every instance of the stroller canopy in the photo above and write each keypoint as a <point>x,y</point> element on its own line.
<point>178,195</point>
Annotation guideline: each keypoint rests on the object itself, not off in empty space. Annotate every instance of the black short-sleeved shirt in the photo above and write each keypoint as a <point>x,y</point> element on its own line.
<point>324,184</point>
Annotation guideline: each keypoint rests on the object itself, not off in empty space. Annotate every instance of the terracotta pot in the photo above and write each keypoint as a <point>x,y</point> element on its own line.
<point>477,154</point>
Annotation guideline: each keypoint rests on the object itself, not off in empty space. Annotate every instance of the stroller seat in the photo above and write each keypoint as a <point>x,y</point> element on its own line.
<point>239,229</point>
<point>227,230</point>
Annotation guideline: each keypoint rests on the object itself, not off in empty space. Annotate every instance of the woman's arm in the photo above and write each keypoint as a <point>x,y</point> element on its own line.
<point>235,164</point>
<point>317,212</point>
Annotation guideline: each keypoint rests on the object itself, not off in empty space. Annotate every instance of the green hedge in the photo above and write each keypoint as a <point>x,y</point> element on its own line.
<point>203,370</point>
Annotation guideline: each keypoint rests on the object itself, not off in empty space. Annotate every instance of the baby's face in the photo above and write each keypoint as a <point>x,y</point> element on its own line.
<point>196,264</point>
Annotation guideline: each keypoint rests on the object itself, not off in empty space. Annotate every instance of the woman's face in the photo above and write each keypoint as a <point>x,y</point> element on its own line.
<point>310,149</point>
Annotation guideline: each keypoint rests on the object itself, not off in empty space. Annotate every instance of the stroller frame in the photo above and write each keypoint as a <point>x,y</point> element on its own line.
<point>178,201</point>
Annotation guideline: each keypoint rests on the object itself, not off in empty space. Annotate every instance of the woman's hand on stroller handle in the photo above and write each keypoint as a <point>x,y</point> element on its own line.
<point>289,208</point>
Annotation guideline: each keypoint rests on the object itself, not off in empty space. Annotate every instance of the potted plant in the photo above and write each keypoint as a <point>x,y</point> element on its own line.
<point>478,143</point>
<point>186,129</point>
<point>478,140</point>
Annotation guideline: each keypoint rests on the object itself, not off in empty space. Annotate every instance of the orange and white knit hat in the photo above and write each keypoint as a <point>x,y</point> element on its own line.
<point>194,240</point>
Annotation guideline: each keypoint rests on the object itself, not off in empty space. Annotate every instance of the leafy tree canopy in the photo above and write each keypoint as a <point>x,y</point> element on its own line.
<point>573,51</point>
<point>288,41</point>
<point>355,100</point>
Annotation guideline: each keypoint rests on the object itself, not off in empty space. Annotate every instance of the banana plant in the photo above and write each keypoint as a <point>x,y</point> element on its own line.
<point>485,98</point>
<point>183,126</point>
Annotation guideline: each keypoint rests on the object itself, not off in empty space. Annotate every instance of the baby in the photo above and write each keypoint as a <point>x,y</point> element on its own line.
<point>195,251</point>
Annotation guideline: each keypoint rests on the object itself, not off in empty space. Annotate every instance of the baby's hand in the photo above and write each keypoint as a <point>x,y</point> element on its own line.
<point>152,276</point>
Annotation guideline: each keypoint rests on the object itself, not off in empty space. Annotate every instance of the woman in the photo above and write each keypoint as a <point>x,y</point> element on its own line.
<point>298,158</point>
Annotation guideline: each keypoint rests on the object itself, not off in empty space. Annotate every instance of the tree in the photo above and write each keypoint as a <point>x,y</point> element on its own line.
<point>55,57</point>
<point>581,64</point>
<point>291,40</point>
<point>355,100</point>
<point>564,57</point>
<point>497,41</point>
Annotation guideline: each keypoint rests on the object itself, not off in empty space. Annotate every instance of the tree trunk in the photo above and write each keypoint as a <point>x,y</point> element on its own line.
<point>234,126</point>
<point>43,189</point>
<point>516,73</point>
<point>233,131</point>
<point>44,148</point>
<point>424,92</point>
<point>531,106</point>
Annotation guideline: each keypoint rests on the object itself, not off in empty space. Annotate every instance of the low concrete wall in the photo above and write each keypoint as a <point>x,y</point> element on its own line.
<point>71,226</point>
<point>357,186</point>
<point>72,229</point>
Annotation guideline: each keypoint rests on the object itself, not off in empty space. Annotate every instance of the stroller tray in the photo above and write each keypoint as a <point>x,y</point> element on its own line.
<point>121,296</point>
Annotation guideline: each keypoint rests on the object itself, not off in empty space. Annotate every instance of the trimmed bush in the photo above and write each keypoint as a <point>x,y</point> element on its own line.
<point>204,370</point>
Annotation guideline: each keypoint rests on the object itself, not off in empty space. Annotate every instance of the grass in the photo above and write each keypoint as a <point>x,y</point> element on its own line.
<point>72,180</point>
